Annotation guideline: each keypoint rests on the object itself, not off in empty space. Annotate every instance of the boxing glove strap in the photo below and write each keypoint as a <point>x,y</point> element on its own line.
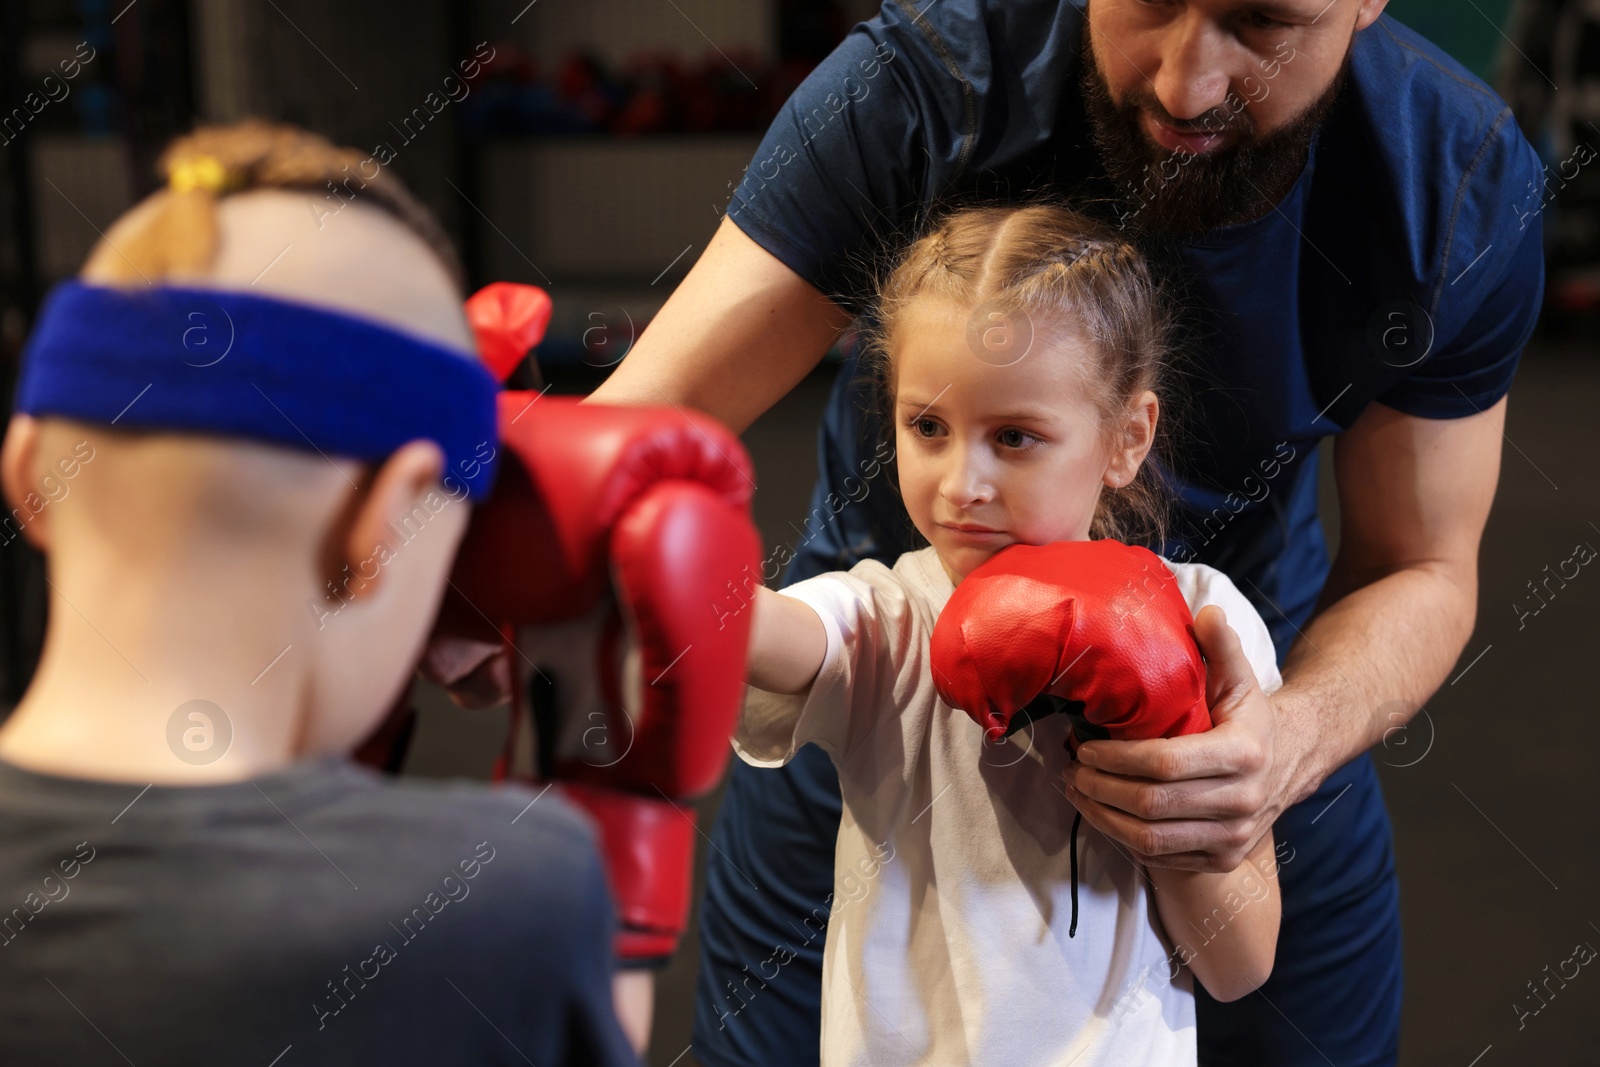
<point>1046,704</point>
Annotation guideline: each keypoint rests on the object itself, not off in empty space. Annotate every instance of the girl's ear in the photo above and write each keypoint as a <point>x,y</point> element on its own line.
<point>1138,435</point>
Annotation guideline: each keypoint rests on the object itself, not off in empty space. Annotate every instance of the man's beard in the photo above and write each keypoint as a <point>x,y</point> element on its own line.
<point>1180,194</point>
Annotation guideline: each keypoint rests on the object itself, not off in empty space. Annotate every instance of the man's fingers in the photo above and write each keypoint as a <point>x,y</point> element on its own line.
<point>1196,802</point>
<point>1196,845</point>
<point>1171,759</point>
<point>1203,798</point>
<point>1228,671</point>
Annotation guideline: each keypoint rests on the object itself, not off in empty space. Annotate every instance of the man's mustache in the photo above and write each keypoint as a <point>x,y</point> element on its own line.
<point>1217,120</point>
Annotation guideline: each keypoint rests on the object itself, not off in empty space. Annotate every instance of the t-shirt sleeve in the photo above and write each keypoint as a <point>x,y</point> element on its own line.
<point>871,628</point>
<point>1491,290</point>
<point>881,119</point>
<point>1202,585</point>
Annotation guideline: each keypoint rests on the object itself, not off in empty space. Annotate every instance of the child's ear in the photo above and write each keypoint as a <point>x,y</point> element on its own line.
<point>17,477</point>
<point>403,497</point>
<point>1138,435</point>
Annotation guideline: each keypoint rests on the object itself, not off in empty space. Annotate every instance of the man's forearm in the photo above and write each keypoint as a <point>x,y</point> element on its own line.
<point>1392,640</point>
<point>736,335</point>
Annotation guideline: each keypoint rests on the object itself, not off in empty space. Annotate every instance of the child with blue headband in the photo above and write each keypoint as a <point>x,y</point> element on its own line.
<point>272,424</point>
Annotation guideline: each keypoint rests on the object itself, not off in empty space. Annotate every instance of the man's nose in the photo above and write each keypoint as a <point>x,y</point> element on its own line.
<point>1193,76</point>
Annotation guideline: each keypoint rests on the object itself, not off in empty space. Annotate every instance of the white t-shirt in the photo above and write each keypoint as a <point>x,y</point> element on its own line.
<point>947,942</point>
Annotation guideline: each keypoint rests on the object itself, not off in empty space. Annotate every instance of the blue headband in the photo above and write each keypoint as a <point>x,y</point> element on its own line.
<point>226,362</point>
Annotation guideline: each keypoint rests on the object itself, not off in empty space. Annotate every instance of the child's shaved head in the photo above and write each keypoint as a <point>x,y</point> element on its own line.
<point>238,549</point>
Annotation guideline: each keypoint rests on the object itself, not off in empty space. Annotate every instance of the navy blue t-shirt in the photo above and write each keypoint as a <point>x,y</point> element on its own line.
<point>1405,265</point>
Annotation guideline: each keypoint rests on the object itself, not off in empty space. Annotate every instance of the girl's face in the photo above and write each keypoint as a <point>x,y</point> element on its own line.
<point>993,452</point>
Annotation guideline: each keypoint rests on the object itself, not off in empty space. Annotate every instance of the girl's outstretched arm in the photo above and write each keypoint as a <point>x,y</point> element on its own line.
<point>787,643</point>
<point>1224,927</point>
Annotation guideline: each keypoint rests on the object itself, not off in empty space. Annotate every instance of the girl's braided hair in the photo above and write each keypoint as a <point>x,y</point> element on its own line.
<point>1057,271</point>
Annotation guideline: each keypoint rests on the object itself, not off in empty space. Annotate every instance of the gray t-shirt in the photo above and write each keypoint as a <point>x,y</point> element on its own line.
<point>325,914</point>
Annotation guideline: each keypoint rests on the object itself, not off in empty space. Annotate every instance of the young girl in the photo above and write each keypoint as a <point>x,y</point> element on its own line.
<point>1021,350</point>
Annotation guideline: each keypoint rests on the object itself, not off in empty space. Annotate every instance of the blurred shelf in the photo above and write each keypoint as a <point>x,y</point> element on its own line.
<point>577,207</point>
<point>76,179</point>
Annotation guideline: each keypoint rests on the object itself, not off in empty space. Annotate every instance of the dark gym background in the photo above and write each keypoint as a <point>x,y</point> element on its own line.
<point>594,155</point>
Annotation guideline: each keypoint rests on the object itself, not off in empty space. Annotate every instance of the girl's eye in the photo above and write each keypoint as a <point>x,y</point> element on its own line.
<point>925,427</point>
<point>1013,438</point>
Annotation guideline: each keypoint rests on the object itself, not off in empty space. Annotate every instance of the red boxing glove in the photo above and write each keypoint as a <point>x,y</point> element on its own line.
<point>1097,629</point>
<point>508,319</point>
<point>609,535</point>
<point>648,845</point>
<point>602,552</point>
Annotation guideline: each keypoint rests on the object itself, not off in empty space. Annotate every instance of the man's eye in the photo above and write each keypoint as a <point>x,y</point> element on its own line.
<point>1256,20</point>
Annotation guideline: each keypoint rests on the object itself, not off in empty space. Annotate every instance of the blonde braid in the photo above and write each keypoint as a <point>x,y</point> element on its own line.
<point>179,239</point>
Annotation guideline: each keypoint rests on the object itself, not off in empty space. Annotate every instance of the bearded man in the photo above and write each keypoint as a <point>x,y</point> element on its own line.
<point>1351,220</point>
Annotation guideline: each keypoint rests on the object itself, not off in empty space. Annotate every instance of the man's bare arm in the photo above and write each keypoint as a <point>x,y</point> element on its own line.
<point>1401,600</point>
<point>739,332</point>
<point>1397,611</point>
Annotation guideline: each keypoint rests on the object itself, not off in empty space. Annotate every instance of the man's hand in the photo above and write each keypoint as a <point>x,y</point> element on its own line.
<point>1199,802</point>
